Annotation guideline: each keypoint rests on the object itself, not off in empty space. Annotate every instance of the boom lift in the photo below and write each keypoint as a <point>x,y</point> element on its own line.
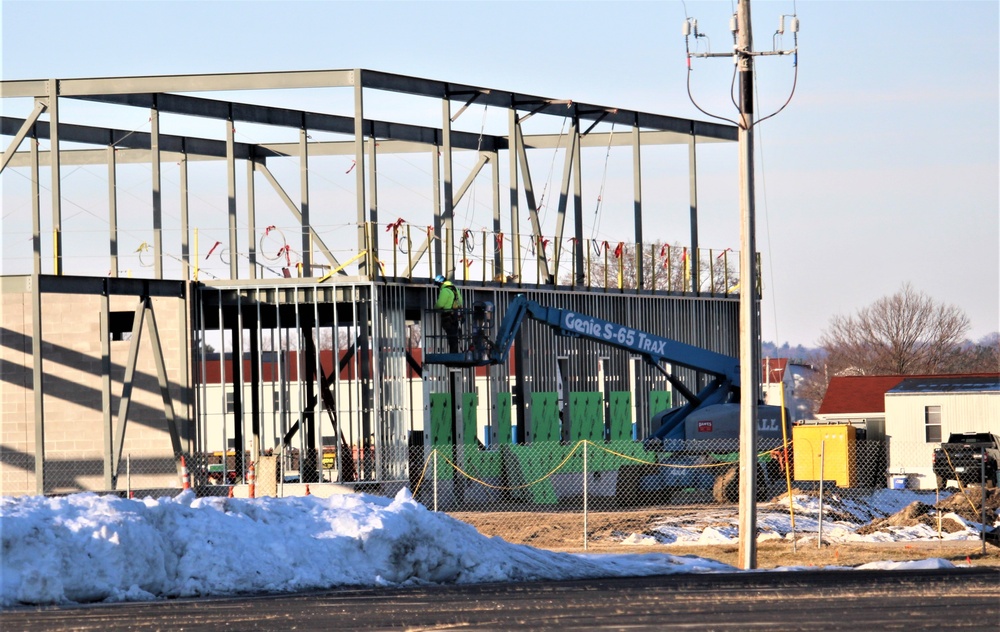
<point>710,415</point>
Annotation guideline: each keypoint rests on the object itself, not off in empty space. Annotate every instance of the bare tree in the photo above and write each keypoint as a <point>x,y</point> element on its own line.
<point>902,334</point>
<point>980,357</point>
<point>664,267</point>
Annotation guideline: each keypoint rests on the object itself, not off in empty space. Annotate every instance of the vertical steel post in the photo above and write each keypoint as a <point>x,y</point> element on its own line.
<point>498,269</point>
<point>359,163</point>
<point>154,150</point>
<point>515,219</point>
<point>251,222</point>
<point>55,174</point>
<point>231,187</point>
<point>108,435</point>
<point>637,202</point>
<point>373,253</point>
<point>112,211</point>
<point>578,271</point>
<point>37,375</point>
<point>304,185</point>
<point>693,193</point>
<point>448,215</point>
<point>36,210</point>
<point>185,227</point>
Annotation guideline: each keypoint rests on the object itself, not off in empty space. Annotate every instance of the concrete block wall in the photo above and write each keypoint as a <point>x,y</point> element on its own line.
<point>75,443</point>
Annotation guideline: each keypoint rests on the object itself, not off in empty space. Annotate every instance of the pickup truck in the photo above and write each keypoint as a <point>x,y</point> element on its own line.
<point>959,459</point>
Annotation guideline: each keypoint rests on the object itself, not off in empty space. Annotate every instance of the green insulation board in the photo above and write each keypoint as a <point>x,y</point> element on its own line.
<point>659,401</point>
<point>503,426</point>
<point>442,432</point>
<point>536,463</point>
<point>545,425</point>
<point>621,415</point>
<point>587,415</point>
<point>470,403</point>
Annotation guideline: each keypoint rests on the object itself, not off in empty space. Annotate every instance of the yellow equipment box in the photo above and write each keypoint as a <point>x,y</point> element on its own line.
<point>826,449</point>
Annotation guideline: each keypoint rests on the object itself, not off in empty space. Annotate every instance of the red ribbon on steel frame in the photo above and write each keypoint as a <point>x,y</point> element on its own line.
<point>499,238</point>
<point>619,249</point>
<point>394,227</point>
<point>212,249</point>
<point>285,250</point>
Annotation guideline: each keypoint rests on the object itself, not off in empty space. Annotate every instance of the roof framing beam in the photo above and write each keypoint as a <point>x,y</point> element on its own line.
<point>133,147</point>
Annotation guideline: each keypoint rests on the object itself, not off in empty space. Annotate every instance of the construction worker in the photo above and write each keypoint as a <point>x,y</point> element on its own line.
<point>449,301</point>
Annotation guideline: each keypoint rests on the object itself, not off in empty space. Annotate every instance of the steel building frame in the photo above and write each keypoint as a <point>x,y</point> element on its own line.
<point>383,303</point>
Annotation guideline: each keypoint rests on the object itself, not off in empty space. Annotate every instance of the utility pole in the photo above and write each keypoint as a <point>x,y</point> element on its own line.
<point>749,334</point>
<point>749,317</point>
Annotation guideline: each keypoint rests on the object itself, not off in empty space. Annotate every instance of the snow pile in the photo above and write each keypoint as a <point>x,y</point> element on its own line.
<point>85,548</point>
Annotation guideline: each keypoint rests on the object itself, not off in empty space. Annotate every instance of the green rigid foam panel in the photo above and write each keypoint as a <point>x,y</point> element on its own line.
<point>621,416</point>
<point>587,413</point>
<point>483,464</point>
<point>470,402</point>
<point>529,464</point>
<point>503,419</point>
<point>441,426</point>
<point>659,401</point>
<point>545,426</point>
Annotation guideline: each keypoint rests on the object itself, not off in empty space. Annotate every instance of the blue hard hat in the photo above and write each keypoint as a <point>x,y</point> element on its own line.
<point>439,279</point>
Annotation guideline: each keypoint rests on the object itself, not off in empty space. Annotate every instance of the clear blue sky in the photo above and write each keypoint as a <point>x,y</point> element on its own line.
<point>882,170</point>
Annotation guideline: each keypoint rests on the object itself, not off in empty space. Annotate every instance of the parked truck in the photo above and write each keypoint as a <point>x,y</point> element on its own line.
<point>704,431</point>
<point>966,458</point>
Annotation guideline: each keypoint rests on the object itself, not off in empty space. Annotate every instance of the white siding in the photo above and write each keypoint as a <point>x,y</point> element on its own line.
<point>909,452</point>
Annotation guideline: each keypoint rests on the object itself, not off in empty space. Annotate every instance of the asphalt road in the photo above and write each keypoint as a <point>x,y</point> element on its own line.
<point>799,600</point>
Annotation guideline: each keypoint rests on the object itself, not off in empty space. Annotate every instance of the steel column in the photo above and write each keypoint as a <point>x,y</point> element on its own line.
<point>56,176</point>
<point>693,195</point>
<point>185,217</point>
<point>231,189</point>
<point>154,151</point>
<point>251,218</point>
<point>637,203</point>
<point>112,210</point>
<point>359,165</point>
<point>304,186</point>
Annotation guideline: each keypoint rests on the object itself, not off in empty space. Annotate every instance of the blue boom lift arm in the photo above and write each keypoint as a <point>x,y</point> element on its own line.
<point>655,350</point>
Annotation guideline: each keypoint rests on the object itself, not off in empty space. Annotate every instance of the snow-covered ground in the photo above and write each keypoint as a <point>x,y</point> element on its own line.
<point>842,519</point>
<point>85,548</point>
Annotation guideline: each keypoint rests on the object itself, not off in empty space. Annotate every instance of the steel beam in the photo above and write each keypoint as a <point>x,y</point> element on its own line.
<point>127,384</point>
<point>568,162</point>
<point>187,83</point>
<point>529,194</point>
<point>317,240</point>
<point>40,106</point>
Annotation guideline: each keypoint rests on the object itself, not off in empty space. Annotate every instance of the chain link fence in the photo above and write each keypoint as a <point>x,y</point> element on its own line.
<point>687,492</point>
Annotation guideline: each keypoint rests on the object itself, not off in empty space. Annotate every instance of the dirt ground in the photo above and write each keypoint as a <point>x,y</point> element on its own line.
<point>606,531</point>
